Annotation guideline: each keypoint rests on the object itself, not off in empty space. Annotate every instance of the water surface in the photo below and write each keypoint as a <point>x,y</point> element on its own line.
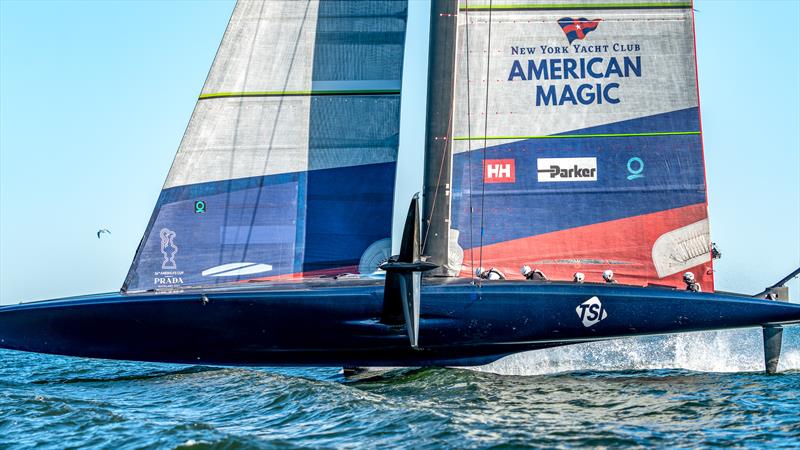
<point>695,390</point>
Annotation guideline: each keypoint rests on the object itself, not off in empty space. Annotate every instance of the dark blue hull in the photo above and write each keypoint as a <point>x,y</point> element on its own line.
<point>338,322</point>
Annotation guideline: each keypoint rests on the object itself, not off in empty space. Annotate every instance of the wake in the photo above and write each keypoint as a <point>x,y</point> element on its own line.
<point>708,351</point>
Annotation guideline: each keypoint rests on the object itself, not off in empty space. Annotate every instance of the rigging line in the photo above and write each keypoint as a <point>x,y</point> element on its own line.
<point>469,146</point>
<point>485,126</point>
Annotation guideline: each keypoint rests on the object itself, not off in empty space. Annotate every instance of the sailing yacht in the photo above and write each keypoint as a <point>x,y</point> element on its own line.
<point>565,136</point>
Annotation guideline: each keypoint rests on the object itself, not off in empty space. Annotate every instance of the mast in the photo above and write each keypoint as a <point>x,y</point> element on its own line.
<point>439,127</point>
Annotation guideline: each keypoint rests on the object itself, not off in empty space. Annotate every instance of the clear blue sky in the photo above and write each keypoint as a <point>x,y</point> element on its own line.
<point>95,96</point>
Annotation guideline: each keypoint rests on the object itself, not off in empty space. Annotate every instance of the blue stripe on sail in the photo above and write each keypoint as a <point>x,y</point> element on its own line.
<point>358,44</point>
<point>360,40</point>
<point>676,121</point>
<point>346,210</point>
<point>673,176</point>
<point>259,234</point>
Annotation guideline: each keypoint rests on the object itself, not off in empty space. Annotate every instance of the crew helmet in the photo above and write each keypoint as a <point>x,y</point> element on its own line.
<point>608,274</point>
<point>688,277</point>
<point>525,270</point>
<point>578,277</point>
<point>479,271</point>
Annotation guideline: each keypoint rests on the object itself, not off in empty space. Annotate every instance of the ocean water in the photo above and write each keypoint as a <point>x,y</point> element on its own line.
<point>694,390</point>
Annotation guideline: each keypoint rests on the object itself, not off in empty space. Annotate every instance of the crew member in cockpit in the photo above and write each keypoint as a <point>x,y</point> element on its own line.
<point>691,283</point>
<point>608,276</point>
<point>533,275</point>
<point>491,274</point>
<point>578,277</point>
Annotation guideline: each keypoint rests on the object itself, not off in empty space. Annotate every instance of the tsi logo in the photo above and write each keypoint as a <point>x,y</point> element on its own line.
<point>591,311</point>
<point>566,169</point>
<point>498,171</point>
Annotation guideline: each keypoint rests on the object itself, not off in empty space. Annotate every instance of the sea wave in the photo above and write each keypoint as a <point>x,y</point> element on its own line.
<point>696,390</point>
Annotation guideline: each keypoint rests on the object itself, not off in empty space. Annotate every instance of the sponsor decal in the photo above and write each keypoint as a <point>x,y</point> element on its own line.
<point>199,207</point>
<point>236,269</point>
<point>635,168</point>
<point>681,249</point>
<point>374,256</point>
<point>577,28</point>
<point>168,278</point>
<point>593,73</point>
<point>499,171</point>
<point>566,169</point>
<point>168,249</point>
<point>169,275</point>
<point>591,311</point>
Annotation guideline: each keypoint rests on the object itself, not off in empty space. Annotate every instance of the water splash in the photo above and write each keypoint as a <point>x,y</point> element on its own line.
<point>710,351</point>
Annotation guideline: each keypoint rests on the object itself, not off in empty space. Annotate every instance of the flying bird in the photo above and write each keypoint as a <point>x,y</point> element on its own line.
<point>99,232</point>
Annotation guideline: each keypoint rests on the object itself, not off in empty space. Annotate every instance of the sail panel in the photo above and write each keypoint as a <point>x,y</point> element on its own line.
<point>580,148</point>
<point>268,47</point>
<point>287,166</point>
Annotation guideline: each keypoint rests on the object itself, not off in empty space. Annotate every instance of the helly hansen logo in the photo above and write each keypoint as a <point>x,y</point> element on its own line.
<point>498,171</point>
<point>566,169</point>
<point>591,311</point>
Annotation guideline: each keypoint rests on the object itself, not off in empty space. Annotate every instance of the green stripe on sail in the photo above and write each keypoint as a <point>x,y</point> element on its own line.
<point>578,136</point>
<point>534,6</point>
<point>301,93</point>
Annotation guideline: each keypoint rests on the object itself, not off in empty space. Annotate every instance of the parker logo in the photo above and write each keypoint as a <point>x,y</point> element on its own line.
<point>591,311</point>
<point>498,171</point>
<point>577,28</point>
<point>566,169</point>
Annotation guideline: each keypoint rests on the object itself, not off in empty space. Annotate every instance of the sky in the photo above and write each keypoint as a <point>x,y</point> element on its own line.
<point>95,96</point>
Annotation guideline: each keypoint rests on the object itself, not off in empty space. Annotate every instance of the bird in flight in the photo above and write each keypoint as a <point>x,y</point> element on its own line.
<point>99,232</point>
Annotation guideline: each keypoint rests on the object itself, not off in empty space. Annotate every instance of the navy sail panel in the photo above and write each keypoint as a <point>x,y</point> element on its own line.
<point>287,167</point>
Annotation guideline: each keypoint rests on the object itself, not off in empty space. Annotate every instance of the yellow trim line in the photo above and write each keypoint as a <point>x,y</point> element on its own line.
<point>300,93</point>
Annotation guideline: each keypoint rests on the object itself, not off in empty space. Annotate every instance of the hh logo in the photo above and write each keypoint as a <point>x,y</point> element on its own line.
<point>498,171</point>
<point>577,28</point>
<point>591,311</point>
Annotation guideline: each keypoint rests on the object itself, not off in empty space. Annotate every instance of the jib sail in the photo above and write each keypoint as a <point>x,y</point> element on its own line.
<point>287,167</point>
<point>577,142</point>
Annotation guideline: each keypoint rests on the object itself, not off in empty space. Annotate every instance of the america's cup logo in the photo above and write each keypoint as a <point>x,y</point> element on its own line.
<point>168,249</point>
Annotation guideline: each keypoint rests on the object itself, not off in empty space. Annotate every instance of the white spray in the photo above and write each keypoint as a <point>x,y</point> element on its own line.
<point>710,351</point>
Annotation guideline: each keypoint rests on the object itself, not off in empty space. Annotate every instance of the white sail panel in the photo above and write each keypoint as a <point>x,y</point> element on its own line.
<point>664,61</point>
